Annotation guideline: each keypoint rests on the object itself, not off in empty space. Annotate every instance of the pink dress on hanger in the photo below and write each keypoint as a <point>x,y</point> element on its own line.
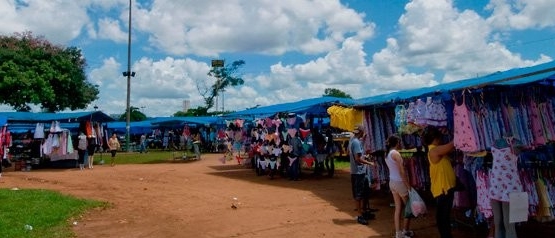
<point>483,195</point>
<point>464,137</point>
<point>504,173</point>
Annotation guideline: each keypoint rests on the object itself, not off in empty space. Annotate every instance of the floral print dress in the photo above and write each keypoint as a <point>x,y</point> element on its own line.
<point>464,137</point>
<point>504,173</point>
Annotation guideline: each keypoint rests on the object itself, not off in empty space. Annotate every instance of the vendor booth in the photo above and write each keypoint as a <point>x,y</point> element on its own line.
<point>516,107</point>
<point>47,139</point>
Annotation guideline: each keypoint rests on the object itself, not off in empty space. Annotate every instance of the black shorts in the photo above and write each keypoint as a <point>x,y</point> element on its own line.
<point>357,186</point>
<point>91,148</point>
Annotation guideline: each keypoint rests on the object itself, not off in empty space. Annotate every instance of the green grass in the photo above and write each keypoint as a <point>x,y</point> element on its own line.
<point>152,157</point>
<point>341,164</point>
<point>49,213</point>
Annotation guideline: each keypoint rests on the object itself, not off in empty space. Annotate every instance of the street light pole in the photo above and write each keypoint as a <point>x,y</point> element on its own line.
<point>128,111</point>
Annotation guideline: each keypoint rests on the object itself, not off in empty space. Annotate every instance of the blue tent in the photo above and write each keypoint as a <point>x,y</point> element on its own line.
<point>135,127</point>
<point>543,73</point>
<point>315,106</point>
<point>3,120</point>
<point>182,121</point>
<point>20,122</point>
<point>34,117</point>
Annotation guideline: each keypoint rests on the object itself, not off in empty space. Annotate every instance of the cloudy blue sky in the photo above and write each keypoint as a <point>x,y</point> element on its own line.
<point>293,49</point>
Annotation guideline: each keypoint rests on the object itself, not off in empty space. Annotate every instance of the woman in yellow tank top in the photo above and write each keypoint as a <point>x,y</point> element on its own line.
<point>442,178</point>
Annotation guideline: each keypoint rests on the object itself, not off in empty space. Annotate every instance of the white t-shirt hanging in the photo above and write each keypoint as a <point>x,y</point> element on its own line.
<point>39,131</point>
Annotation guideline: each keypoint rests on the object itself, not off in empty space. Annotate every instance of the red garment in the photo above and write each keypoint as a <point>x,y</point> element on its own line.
<point>304,133</point>
<point>5,140</point>
<point>186,131</point>
<point>309,160</point>
<point>221,134</point>
<point>88,129</point>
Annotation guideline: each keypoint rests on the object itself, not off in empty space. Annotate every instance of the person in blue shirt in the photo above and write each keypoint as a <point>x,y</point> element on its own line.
<point>358,171</point>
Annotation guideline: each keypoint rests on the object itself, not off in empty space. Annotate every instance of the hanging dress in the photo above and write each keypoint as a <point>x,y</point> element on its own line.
<point>483,195</point>
<point>464,137</point>
<point>421,111</point>
<point>436,115</point>
<point>39,131</point>
<point>504,172</point>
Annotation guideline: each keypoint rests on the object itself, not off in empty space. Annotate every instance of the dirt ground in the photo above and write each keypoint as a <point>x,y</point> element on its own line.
<point>194,199</point>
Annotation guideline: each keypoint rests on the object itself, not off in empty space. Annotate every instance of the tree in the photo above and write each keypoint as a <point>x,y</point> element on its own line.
<point>134,115</point>
<point>334,92</point>
<point>225,77</point>
<point>199,111</point>
<point>181,114</point>
<point>34,71</point>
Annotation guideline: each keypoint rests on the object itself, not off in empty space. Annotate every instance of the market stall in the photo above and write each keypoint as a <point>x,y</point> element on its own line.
<point>516,106</point>
<point>47,139</point>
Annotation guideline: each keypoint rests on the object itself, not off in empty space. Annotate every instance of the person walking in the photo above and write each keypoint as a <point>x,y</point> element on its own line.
<point>442,177</point>
<point>358,171</point>
<point>113,145</point>
<point>196,145</point>
<point>142,145</point>
<point>399,185</point>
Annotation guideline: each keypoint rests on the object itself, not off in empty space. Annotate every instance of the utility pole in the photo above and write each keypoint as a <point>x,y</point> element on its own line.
<point>128,73</point>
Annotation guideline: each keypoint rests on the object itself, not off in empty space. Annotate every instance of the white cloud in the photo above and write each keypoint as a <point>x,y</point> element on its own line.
<point>521,14</point>
<point>9,18</point>
<point>110,29</point>
<point>268,27</point>
<point>435,35</point>
<point>59,21</point>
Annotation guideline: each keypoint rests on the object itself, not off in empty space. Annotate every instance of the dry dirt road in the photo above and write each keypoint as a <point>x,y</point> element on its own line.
<point>194,199</point>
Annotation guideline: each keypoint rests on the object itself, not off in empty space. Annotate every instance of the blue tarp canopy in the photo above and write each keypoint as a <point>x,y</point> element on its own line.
<point>34,117</point>
<point>22,127</point>
<point>3,120</point>
<point>542,72</point>
<point>135,127</point>
<point>181,121</point>
<point>314,106</point>
<point>20,122</point>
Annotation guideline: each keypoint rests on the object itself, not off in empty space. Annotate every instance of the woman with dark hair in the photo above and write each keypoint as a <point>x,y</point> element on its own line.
<point>442,177</point>
<point>398,184</point>
<point>113,145</point>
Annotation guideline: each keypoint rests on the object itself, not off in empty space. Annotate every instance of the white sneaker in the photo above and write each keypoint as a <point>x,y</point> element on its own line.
<point>400,234</point>
<point>408,233</point>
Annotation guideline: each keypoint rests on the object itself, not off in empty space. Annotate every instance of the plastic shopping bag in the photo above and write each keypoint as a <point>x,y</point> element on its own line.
<point>408,208</point>
<point>416,203</point>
